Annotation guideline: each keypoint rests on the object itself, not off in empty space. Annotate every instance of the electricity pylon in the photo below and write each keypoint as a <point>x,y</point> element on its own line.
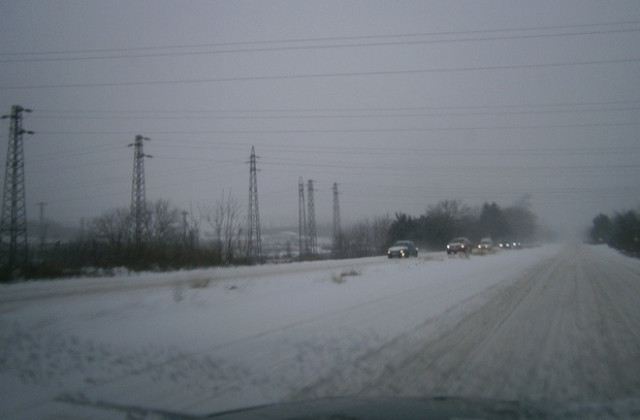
<point>138,194</point>
<point>254,242</point>
<point>13,226</point>
<point>303,243</point>
<point>336,222</point>
<point>313,238</point>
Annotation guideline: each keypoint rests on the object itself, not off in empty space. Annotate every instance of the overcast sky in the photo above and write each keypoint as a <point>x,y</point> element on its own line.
<point>403,104</point>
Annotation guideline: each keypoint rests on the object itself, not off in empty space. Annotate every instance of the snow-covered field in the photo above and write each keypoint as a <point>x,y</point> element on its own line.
<point>205,341</point>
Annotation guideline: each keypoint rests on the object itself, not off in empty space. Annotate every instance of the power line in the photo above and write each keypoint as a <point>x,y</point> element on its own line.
<point>168,113</point>
<point>311,214</point>
<point>419,167</point>
<point>391,187</point>
<point>263,46</point>
<point>337,229</point>
<point>336,115</point>
<point>397,150</point>
<point>254,241</point>
<point>282,165</point>
<point>315,47</point>
<point>303,238</point>
<point>303,76</point>
<point>362,130</point>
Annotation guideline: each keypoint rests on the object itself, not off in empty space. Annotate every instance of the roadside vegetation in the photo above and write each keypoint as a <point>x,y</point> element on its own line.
<point>450,218</point>
<point>216,236</point>
<point>620,231</point>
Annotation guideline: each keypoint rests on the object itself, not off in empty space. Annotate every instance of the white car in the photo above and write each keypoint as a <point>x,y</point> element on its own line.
<point>485,245</point>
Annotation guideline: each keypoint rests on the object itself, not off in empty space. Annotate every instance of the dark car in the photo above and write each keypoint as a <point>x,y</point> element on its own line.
<point>460,244</point>
<point>403,249</point>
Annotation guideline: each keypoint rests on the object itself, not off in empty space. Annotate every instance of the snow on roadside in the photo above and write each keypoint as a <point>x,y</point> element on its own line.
<point>210,340</point>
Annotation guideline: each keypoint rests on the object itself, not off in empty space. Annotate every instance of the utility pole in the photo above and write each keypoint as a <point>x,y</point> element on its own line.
<point>303,243</point>
<point>254,242</point>
<point>336,222</point>
<point>138,194</point>
<point>13,226</point>
<point>313,238</point>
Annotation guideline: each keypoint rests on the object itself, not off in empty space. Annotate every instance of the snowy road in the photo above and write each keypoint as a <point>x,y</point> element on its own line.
<point>555,323</point>
<point>567,330</point>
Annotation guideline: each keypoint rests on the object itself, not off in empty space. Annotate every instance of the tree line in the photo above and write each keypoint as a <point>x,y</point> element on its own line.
<point>620,231</point>
<point>438,225</point>
<point>450,218</point>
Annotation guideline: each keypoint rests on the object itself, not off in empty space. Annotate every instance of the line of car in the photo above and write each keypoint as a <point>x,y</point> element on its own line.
<point>461,244</point>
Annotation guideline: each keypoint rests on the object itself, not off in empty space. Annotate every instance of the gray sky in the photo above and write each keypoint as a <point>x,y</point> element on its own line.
<point>403,104</point>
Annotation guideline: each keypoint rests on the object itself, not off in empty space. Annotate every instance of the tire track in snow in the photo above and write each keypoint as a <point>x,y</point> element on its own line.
<point>374,372</point>
<point>558,334</point>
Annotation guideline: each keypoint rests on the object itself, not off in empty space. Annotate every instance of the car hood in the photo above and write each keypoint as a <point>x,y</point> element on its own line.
<point>379,408</point>
<point>383,408</point>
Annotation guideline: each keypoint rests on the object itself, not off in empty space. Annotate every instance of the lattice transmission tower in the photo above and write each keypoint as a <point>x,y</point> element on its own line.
<point>337,230</point>
<point>254,241</point>
<point>311,232</point>
<point>13,226</point>
<point>139,213</point>
<point>303,242</point>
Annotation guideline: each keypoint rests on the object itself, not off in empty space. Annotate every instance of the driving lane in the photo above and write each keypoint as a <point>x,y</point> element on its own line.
<point>566,331</point>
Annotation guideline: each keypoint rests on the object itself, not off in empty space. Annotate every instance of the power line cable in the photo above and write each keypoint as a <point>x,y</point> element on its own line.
<point>313,47</point>
<point>355,130</point>
<point>303,76</point>
<point>342,38</point>
<point>54,112</point>
<point>342,116</point>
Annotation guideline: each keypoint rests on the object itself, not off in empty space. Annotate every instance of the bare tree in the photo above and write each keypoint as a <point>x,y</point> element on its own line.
<point>357,240</point>
<point>380,229</point>
<point>210,216</point>
<point>191,229</point>
<point>112,229</point>
<point>225,220</point>
<point>163,222</point>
